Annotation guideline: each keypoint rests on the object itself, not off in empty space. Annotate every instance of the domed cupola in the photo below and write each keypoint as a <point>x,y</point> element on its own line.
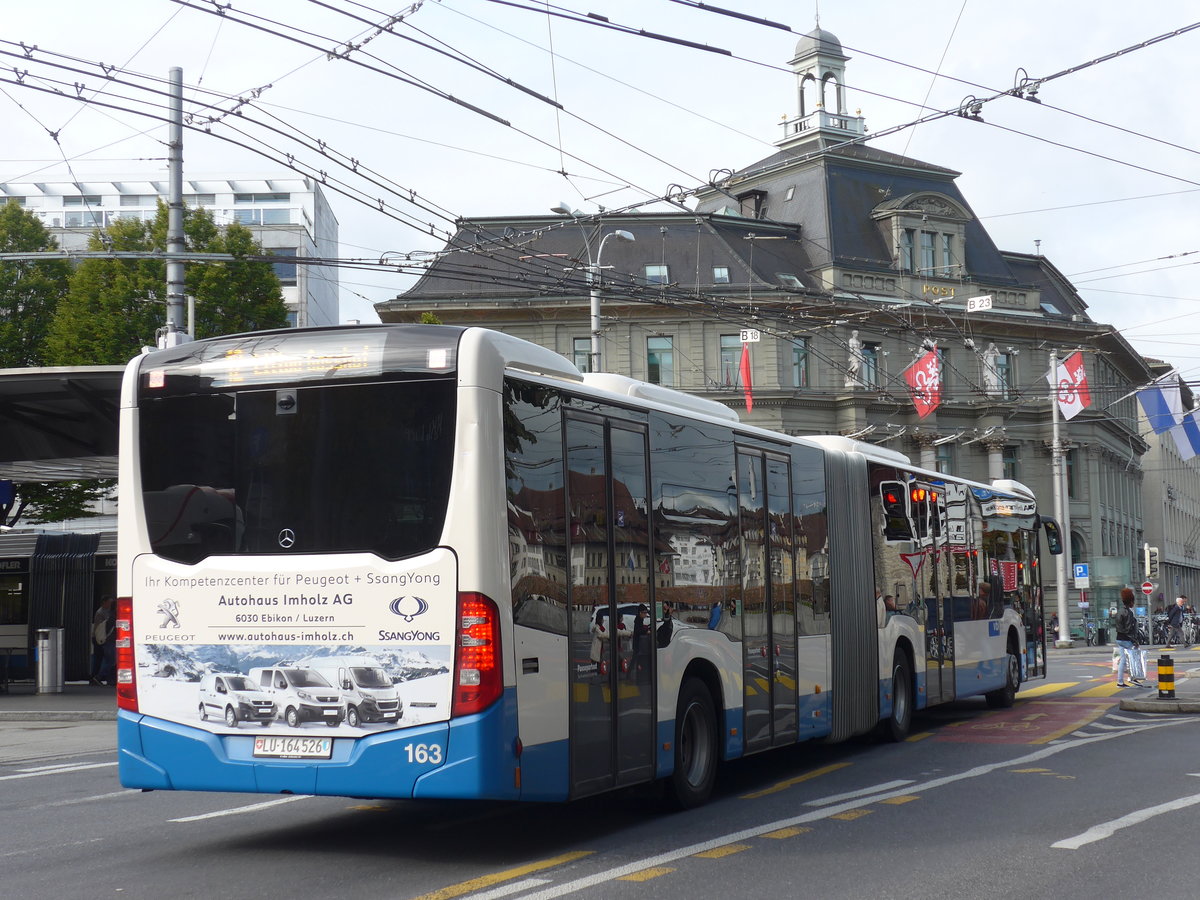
<point>820,67</point>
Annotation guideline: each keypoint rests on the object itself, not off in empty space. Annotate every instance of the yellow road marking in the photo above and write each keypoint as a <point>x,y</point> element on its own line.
<point>896,801</point>
<point>851,814</point>
<point>1062,732</point>
<point>647,874</point>
<point>720,852</point>
<point>1030,771</point>
<point>913,738</point>
<point>1100,690</point>
<point>1042,689</point>
<point>791,782</point>
<point>475,884</point>
<point>786,833</point>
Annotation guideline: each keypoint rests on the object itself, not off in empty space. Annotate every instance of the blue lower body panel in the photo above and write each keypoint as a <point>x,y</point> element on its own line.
<point>472,757</point>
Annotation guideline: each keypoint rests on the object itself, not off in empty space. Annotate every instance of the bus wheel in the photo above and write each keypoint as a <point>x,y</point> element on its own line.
<point>900,721</point>
<point>352,716</point>
<point>1007,695</point>
<point>695,746</point>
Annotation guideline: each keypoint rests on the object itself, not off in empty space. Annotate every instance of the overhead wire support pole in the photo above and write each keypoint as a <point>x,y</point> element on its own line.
<point>175,333</point>
<point>1062,509</point>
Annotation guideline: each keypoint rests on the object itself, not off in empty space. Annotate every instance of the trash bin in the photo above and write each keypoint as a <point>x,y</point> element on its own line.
<point>1101,637</point>
<point>49,656</point>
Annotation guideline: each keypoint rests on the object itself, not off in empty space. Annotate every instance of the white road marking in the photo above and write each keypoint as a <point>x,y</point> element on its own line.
<point>1108,829</point>
<point>75,800</point>
<point>838,798</point>
<point>238,810</point>
<point>54,770</point>
<point>510,889</point>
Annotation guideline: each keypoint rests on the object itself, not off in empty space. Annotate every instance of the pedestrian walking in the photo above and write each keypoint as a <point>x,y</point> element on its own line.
<point>103,623</point>
<point>1126,625</point>
<point>1175,620</point>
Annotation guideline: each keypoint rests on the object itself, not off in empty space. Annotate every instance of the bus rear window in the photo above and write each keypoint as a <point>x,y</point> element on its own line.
<point>330,468</point>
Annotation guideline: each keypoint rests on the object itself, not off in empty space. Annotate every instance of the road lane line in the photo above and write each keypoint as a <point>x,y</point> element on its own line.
<point>75,800</point>
<point>238,810</point>
<point>1042,689</point>
<point>509,889</point>
<point>850,795</point>
<point>467,887</point>
<point>56,771</point>
<point>670,856</point>
<point>792,782</point>
<point>1108,829</point>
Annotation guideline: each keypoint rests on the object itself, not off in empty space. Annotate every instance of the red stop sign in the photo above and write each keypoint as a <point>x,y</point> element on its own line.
<point>1147,588</point>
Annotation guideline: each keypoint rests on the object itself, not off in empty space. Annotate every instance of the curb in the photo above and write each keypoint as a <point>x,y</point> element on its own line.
<point>1154,705</point>
<point>58,715</point>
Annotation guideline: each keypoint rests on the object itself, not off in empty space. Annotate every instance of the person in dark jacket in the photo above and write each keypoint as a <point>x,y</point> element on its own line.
<point>1127,636</point>
<point>1175,620</point>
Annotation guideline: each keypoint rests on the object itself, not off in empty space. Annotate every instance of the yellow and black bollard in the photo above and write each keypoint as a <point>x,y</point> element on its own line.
<point>1166,677</point>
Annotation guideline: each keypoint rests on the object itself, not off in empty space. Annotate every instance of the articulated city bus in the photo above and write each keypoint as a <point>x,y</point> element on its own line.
<point>442,562</point>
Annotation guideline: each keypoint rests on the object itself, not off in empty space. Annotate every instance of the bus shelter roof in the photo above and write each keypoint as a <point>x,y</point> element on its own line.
<point>59,423</point>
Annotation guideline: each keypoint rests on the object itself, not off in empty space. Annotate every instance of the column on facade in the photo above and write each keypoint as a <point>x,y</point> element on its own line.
<point>926,441</point>
<point>995,451</point>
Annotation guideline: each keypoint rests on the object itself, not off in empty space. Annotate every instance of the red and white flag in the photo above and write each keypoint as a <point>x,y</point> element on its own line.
<point>1071,387</point>
<point>747,387</point>
<point>924,380</point>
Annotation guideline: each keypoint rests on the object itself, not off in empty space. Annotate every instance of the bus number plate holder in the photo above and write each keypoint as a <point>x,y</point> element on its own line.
<point>293,747</point>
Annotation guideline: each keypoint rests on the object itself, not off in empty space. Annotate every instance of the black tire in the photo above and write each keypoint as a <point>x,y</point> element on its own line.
<point>291,717</point>
<point>1006,696</point>
<point>696,756</point>
<point>899,723</point>
<point>352,716</point>
<point>231,719</point>
<point>203,713</point>
<point>334,723</point>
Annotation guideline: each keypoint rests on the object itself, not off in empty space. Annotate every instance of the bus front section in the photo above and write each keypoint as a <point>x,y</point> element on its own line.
<point>290,618</point>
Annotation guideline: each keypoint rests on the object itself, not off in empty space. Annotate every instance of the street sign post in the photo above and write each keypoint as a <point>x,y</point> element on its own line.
<point>1082,580</point>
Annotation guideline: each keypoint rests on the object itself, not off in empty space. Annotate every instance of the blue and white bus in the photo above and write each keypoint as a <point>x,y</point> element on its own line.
<point>574,582</point>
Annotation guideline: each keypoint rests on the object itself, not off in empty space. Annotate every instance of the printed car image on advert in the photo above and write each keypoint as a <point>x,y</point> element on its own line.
<point>360,648</point>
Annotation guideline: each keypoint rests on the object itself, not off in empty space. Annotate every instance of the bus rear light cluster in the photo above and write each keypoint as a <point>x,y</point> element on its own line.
<point>478,673</point>
<point>126,672</point>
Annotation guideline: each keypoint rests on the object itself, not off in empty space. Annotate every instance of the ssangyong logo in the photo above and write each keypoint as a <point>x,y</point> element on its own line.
<point>408,608</point>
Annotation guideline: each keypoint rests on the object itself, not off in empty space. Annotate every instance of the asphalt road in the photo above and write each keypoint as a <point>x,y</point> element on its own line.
<point>1065,794</point>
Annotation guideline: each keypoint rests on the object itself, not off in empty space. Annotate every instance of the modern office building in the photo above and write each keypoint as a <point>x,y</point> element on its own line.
<point>288,215</point>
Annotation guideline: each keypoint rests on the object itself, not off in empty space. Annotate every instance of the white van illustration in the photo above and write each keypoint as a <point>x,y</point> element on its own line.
<point>367,690</point>
<point>234,698</point>
<point>300,695</point>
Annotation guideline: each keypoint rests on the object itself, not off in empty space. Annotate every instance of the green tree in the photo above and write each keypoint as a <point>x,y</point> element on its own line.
<point>114,306</point>
<point>53,501</point>
<point>29,290</point>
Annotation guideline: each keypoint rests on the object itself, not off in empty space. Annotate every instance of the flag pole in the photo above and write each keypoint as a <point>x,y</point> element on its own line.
<point>1062,511</point>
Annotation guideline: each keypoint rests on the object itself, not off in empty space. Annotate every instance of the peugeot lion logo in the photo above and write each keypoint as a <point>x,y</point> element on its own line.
<point>408,608</point>
<point>287,538</point>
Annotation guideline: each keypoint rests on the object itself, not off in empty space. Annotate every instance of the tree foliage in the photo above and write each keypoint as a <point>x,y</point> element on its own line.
<point>54,501</point>
<point>29,290</point>
<point>114,306</point>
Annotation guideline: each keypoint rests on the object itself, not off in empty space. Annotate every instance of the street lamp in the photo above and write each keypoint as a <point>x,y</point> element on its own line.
<point>593,270</point>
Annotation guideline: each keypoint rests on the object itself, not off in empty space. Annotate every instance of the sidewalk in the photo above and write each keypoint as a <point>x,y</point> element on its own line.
<point>83,702</point>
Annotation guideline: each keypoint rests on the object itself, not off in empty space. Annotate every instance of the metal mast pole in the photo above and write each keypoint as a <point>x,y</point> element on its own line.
<point>1062,511</point>
<point>176,286</point>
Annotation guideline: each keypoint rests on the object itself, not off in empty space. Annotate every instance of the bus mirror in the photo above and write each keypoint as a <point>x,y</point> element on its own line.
<point>1053,535</point>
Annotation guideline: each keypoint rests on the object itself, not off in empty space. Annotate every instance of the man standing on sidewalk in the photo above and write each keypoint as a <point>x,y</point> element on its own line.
<point>1175,620</point>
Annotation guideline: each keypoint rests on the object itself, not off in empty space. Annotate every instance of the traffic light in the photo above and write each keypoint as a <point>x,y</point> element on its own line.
<point>1150,558</point>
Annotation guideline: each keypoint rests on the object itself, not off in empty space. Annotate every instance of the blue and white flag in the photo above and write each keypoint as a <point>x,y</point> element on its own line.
<point>1162,403</point>
<point>1187,436</point>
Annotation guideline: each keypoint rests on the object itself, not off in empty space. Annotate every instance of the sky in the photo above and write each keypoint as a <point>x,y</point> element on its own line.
<point>448,115</point>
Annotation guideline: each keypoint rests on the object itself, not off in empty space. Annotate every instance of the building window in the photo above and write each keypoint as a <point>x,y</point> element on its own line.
<point>658,275</point>
<point>660,361</point>
<point>285,271</point>
<point>869,373</point>
<point>720,274</point>
<point>945,459</point>
<point>85,200</point>
<point>947,253</point>
<point>731,359</point>
<point>928,253</point>
<point>907,236</point>
<point>89,219</point>
<point>1004,375</point>
<point>247,216</point>
<point>1072,475</point>
<point>581,353</point>
<point>273,197</point>
<point>200,199</point>
<point>277,217</point>
<point>20,201</point>
<point>800,362</point>
<point>1008,461</point>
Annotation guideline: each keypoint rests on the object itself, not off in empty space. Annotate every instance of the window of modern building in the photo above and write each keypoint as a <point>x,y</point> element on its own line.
<point>799,362</point>
<point>139,199</point>
<point>20,201</point>
<point>285,271</point>
<point>247,216</point>
<point>869,372</point>
<point>660,361</point>
<point>91,218</point>
<point>272,197</point>
<point>658,274</point>
<point>82,200</point>
<point>200,199</point>
<point>277,217</point>
<point>731,358</point>
<point>720,274</point>
<point>581,353</point>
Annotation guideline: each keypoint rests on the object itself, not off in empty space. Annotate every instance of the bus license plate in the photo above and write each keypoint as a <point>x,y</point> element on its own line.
<point>294,747</point>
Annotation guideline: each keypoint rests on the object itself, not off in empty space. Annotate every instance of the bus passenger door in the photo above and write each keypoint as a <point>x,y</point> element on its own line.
<point>611,710</point>
<point>768,601</point>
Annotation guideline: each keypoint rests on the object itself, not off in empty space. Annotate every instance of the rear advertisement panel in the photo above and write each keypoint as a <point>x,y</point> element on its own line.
<point>339,646</point>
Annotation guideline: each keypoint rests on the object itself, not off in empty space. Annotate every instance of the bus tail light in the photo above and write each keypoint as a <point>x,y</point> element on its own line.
<point>126,672</point>
<point>478,673</point>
